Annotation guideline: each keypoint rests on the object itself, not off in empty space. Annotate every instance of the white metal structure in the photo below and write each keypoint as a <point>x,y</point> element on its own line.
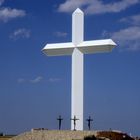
<point>77,48</point>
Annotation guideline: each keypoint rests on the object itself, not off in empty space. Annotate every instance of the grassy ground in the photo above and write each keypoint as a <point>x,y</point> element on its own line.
<point>6,137</point>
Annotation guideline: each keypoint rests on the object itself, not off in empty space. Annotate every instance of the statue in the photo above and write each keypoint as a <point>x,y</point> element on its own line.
<point>74,122</point>
<point>59,120</point>
<point>89,121</point>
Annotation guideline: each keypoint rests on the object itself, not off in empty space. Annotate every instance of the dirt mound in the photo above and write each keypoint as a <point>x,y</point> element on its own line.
<point>54,135</point>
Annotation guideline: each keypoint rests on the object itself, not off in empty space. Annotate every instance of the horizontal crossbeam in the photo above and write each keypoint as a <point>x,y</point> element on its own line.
<point>86,47</point>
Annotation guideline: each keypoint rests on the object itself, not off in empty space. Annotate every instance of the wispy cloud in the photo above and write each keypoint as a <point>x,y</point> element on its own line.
<point>20,80</point>
<point>96,6</point>
<point>36,80</point>
<point>105,34</point>
<point>128,39</point>
<point>20,33</point>
<point>132,20</point>
<point>60,34</point>
<point>7,13</point>
<point>52,80</point>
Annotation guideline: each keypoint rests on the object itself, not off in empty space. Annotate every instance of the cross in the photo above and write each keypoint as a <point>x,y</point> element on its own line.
<point>77,48</point>
<point>89,120</point>
<point>74,122</point>
<point>60,120</point>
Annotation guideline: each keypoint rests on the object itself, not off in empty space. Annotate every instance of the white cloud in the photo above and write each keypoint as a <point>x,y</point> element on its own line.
<point>37,79</point>
<point>96,6</point>
<point>133,20</point>
<point>128,39</point>
<point>7,14</point>
<point>60,34</point>
<point>20,33</point>
<point>71,5</point>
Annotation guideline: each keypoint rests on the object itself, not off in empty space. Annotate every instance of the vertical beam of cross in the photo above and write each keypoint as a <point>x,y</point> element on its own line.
<point>77,69</point>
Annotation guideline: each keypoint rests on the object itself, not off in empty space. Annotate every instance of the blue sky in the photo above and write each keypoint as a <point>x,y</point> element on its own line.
<point>35,89</point>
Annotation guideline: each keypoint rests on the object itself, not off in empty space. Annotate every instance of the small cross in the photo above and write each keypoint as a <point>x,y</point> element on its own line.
<point>74,122</point>
<point>89,121</point>
<point>59,120</point>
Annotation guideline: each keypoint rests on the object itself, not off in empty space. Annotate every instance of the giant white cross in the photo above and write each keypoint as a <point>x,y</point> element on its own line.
<point>77,48</point>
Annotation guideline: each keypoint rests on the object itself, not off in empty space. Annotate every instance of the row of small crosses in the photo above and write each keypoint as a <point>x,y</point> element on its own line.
<point>89,120</point>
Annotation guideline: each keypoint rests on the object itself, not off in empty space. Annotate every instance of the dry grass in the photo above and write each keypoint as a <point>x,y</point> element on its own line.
<point>5,137</point>
<point>53,135</point>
